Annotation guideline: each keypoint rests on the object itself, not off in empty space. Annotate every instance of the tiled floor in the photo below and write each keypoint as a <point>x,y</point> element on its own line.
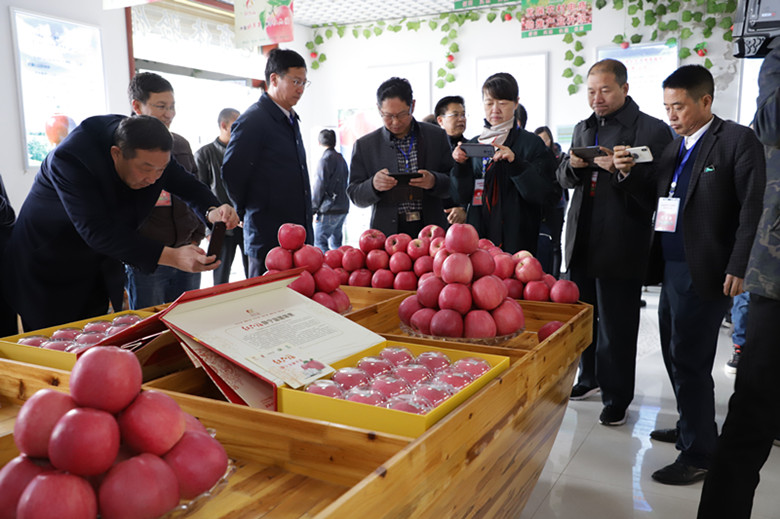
<point>598,472</point>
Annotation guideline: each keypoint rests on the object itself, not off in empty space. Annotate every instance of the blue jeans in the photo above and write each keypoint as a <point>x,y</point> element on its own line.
<point>739,317</point>
<point>327,231</point>
<point>164,285</point>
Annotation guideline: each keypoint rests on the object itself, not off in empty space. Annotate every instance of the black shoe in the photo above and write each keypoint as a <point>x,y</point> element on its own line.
<point>612,415</point>
<point>731,364</point>
<point>665,435</point>
<point>679,473</point>
<point>581,392</point>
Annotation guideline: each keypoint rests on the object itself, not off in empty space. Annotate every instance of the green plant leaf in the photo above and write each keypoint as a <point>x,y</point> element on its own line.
<point>454,48</point>
<point>662,26</point>
<point>600,4</point>
<point>440,83</point>
<point>381,23</point>
<point>315,65</point>
<point>578,61</point>
<point>444,41</point>
<point>730,7</point>
<point>687,16</point>
<point>310,45</point>
<point>413,25</point>
<point>453,34</point>
<point>685,33</point>
<point>725,23</point>
<point>654,36</point>
<point>445,27</point>
<point>635,22</point>
<point>452,18</point>
<point>433,24</point>
<point>450,65</point>
<point>671,41</point>
<point>319,40</point>
<point>661,10</point>
<point>580,34</point>
<point>321,58</point>
<point>674,6</point>
<point>684,52</point>
<point>706,32</point>
<point>491,17</point>
<point>450,78</point>
<point>378,30</point>
<point>569,55</point>
<point>698,16</point>
<point>618,39</point>
<point>568,72</point>
<point>710,22</point>
<point>632,9</point>
<point>728,36</point>
<point>329,33</point>
<point>262,20</point>
<point>568,38</point>
<point>708,63</point>
<point>355,33</point>
<point>577,79</point>
<point>474,16</point>
<point>673,25</point>
<point>650,18</point>
<point>573,89</point>
<point>578,46</point>
<point>340,30</point>
<point>617,4</point>
<point>366,33</point>
<point>636,38</point>
<point>441,72</point>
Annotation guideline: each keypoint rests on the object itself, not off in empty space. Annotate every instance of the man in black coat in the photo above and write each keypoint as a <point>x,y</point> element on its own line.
<point>8,324</point>
<point>608,235</point>
<point>330,203</point>
<point>709,189</point>
<point>385,162</point>
<point>81,217</point>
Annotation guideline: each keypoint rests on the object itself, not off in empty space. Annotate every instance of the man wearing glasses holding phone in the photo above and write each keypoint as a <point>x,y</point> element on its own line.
<point>401,169</point>
<point>264,169</point>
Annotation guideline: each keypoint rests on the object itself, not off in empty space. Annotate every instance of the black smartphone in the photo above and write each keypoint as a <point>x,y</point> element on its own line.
<point>476,149</point>
<point>406,175</point>
<point>588,152</point>
<point>215,242</point>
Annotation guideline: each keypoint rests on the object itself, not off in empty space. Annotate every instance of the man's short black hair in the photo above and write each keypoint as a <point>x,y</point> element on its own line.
<point>144,84</point>
<point>521,114</point>
<point>444,102</point>
<point>226,114</point>
<point>142,132</point>
<point>282,60</point>
<point>501,85</point>
<point>612,66</point>
<point>694,79</point>
<point>327,138</point>
<point>395,87</point>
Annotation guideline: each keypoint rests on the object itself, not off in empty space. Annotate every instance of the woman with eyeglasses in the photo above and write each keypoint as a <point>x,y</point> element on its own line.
<point>505,192</point>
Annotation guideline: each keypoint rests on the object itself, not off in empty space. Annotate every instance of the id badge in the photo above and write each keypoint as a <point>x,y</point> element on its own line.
<point>666,214</point>
<point>479,189</point>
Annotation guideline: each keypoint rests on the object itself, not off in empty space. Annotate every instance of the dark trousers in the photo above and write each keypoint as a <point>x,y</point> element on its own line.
<point>753,420</point>
<point>228,254</point>
<point>689,327</point>
<point>610,361</point>
<point>8,322</point>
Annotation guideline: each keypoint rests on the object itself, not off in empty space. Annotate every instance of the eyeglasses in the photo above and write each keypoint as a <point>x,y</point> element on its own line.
<point>400,116</point>
<point>298,83</point>
<point>164,107</point>
<point>456,115</point>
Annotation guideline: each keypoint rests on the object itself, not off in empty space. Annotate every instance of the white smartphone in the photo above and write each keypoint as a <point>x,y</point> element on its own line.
<point>641,154</point>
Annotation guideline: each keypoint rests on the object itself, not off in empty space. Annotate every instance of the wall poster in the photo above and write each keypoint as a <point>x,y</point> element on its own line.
<point>547,17</point>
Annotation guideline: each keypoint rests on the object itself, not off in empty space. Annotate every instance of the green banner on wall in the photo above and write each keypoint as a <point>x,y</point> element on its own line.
<point>549,17</point>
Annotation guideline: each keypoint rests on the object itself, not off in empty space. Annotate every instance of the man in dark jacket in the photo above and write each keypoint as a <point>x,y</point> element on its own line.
<point>81,217</point>
<point>330,203</point>
<point>8,324</point>
<point>209,163</point>
<point>753,419</point>
<point>265,169</point>
<point>608,235</point>
<point>401,170</point>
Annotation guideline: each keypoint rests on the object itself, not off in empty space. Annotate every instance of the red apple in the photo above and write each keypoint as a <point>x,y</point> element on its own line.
<point>14,478</point>
<point>407,308</point>
<point>438,260</point>
<point>418,248</point>
<point>126,319</point>
<point>397,355</point>
<point>456,379</point>
<point>36,420</point>
<point>434,392</point>
<point>382,278</point>
<point>521,255</point>
<point>67,333</point>
<point>422,265</point>
<point>423,277</point>
<point>485,244</point>
<point>341,299</point>
<point>84,442</point>
<point>327,388</point>
<point>508,317</point>
<point>413,373</point>
<point>457,268</point>
<point>488,292</point>
<point>193,424</point>
<point>548,329</point>
<point>447,323</point>
<point>428,292</point>
<point>397,243</point>
<point>436,245</point>
<point>57,495</point>
<point>549,280</point>
<point>326,279</point>
<point>198,460</point>
<point>370,240</point>
<point>333,258</point>
<point>375,366</point>
<point>431,232</point>
<point>345,248</point>
<point>153,423</point>
<point>435,361</point>
<point>343,276</point>
<point>536,291</point>
<point>479,324</point>
<point>99,326</point>
<point>421,320</point>
<point>494,251</point>
<point>377,259</point>
<point>364,396</point>
<point>389,385</point>
<point>505,266</point>
<point>304,285</point>
<point>353,260</point>
<point>279,258</point>
<point>514,288</point>
<point>360,278</point>
<point>310,257</point>
<point>455,296</point>
<point>529,269</point>
<point>461,237</point>
<point>409,404</point>
<point>400,262</point>
<point>565,291</point>
<point>291,236</point>
<point>106,378</point>
<point>350,377</point>
<point>482,262</point>
<point>142,486</point>
<point>325,300</point>
<point>474,366</point>
<point>405,280</point>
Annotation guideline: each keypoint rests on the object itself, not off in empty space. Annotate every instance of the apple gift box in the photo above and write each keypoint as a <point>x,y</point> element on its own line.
<point>252,339</point>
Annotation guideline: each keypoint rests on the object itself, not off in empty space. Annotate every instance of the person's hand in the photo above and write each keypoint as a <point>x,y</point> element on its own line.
<point>382,180</point>
<point>189,258</point>
<point>577,162</point>
<point>224,213</point>
<point>426,181</point>
<point>455,215</point>
<point>732,286</point>
<point>458,155</point>
<point>503,153</point>
<point>623,160</point>
<point>606,161</point>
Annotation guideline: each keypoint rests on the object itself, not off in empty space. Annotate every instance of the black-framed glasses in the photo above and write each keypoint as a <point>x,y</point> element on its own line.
<point>400,116</point>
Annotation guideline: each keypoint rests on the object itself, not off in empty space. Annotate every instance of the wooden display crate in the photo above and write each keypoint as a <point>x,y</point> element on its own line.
<point>364,299</point>
<point>482,460</point>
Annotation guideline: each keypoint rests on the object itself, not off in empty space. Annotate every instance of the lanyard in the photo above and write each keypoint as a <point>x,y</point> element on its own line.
<point>678,170</point>
<point>486,163</point>
<point>408,152</point>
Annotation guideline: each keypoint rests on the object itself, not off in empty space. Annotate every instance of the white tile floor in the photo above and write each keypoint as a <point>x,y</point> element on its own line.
<point>598,472</point>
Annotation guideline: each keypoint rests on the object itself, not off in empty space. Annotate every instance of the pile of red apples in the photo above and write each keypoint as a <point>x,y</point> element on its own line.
<point>106,448</point>
<point>319,281</point>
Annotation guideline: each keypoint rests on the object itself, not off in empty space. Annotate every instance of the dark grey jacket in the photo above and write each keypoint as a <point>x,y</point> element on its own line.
<point>330,189</point>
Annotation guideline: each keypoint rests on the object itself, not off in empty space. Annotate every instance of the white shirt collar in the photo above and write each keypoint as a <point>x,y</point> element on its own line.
<point>691,140</point>
<point>287,112</point>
